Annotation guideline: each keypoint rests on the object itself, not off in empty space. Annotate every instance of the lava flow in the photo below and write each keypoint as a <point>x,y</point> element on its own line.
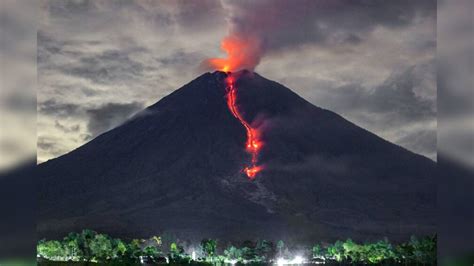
<point>253,144</point>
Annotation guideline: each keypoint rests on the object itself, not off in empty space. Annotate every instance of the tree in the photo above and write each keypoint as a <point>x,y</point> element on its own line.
<point>134,250</point>
<point>423,250</point>
<point>119,248</point>
<point>52,250</point>
<point>85,239</point>
<point>384,251</point>
<point>351,250</point>
<point>233,253</point>
<point>265,249</point>
<point>177,254</point>
<point>209,247</point>
<point>101,247</point>
<point>374,253</point>
<point>72,247</point>
<point>157,240</point>
<point>317,251</point>
<point>336,250</point>
<point>250,251</point>
<point>151,251</point>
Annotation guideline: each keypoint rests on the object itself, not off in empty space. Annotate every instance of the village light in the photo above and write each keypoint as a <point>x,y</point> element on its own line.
<point>281,261</point>
<point>297,260</point>
<point>232,262</point>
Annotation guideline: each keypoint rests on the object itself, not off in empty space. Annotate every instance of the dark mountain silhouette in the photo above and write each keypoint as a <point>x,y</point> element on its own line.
<point>175,168</point>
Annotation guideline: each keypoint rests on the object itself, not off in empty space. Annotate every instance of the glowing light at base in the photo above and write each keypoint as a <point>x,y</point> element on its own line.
<point>231,262</point>
<point>295,261</point>
<point>254,143</point>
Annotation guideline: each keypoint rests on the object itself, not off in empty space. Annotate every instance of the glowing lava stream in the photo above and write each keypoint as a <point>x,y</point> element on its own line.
<point>253,144</point>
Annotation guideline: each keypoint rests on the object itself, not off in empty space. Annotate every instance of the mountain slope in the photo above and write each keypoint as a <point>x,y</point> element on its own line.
<point>175,168</point>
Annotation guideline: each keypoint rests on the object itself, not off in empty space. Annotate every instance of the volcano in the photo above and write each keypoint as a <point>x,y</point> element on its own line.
<point>176,168</point>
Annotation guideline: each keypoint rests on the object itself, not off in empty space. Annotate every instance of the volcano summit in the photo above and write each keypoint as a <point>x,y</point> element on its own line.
<point>176,168</point>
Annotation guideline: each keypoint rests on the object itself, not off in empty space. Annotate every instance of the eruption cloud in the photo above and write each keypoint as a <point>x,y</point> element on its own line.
<point>243,52</point>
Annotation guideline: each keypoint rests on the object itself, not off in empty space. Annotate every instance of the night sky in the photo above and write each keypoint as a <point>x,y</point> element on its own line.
<point>373,62</point>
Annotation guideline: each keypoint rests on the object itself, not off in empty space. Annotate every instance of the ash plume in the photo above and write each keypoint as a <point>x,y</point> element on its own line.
<point>258,28</point>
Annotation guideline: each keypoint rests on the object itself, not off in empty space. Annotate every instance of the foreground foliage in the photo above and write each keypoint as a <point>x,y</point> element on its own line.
<point>90,246</point>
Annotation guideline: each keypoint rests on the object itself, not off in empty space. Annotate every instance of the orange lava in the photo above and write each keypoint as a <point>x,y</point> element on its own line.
<point>253,144</point>
<point>252,171</point>
<point>242,53</point>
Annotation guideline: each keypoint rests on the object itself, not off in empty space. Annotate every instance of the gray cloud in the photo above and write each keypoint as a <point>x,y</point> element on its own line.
<point>285,24</point>
<point>402,95</point>
<point>50,145</point>
<point>66,129</point>
<point>421,141</point>
<point>99,118</point>
<point>455,81</point>
<point>52,107</point>
<point>107,67</point>
<point>402,108</point>
<point>110,115</point>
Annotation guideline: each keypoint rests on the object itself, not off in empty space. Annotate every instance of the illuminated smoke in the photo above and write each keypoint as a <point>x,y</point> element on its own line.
<point>243,52</point>
<point>243,47</point>
<point>253,143</point>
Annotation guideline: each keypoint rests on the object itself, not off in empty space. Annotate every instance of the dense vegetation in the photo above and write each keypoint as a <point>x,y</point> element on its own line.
<point>90,246</point>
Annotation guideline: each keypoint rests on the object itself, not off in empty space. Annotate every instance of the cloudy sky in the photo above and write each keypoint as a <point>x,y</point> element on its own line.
<point>373,62</point>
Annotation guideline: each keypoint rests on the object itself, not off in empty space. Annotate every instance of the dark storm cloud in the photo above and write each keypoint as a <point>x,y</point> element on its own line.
<point>398,94</point>
<point>110,115</point>
<point>284,24</point>
<point>402,97</point>
<point>402,108</point>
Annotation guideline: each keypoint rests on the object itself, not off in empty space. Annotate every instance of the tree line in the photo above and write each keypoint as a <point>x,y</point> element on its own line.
<point>90,246</point>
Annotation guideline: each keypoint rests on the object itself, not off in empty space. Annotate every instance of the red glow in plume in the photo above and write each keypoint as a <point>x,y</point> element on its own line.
<point>254,143</point>
<point>242,53</point>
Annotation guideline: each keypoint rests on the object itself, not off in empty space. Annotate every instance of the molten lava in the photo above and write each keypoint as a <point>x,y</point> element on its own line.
<point>254,143</point>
